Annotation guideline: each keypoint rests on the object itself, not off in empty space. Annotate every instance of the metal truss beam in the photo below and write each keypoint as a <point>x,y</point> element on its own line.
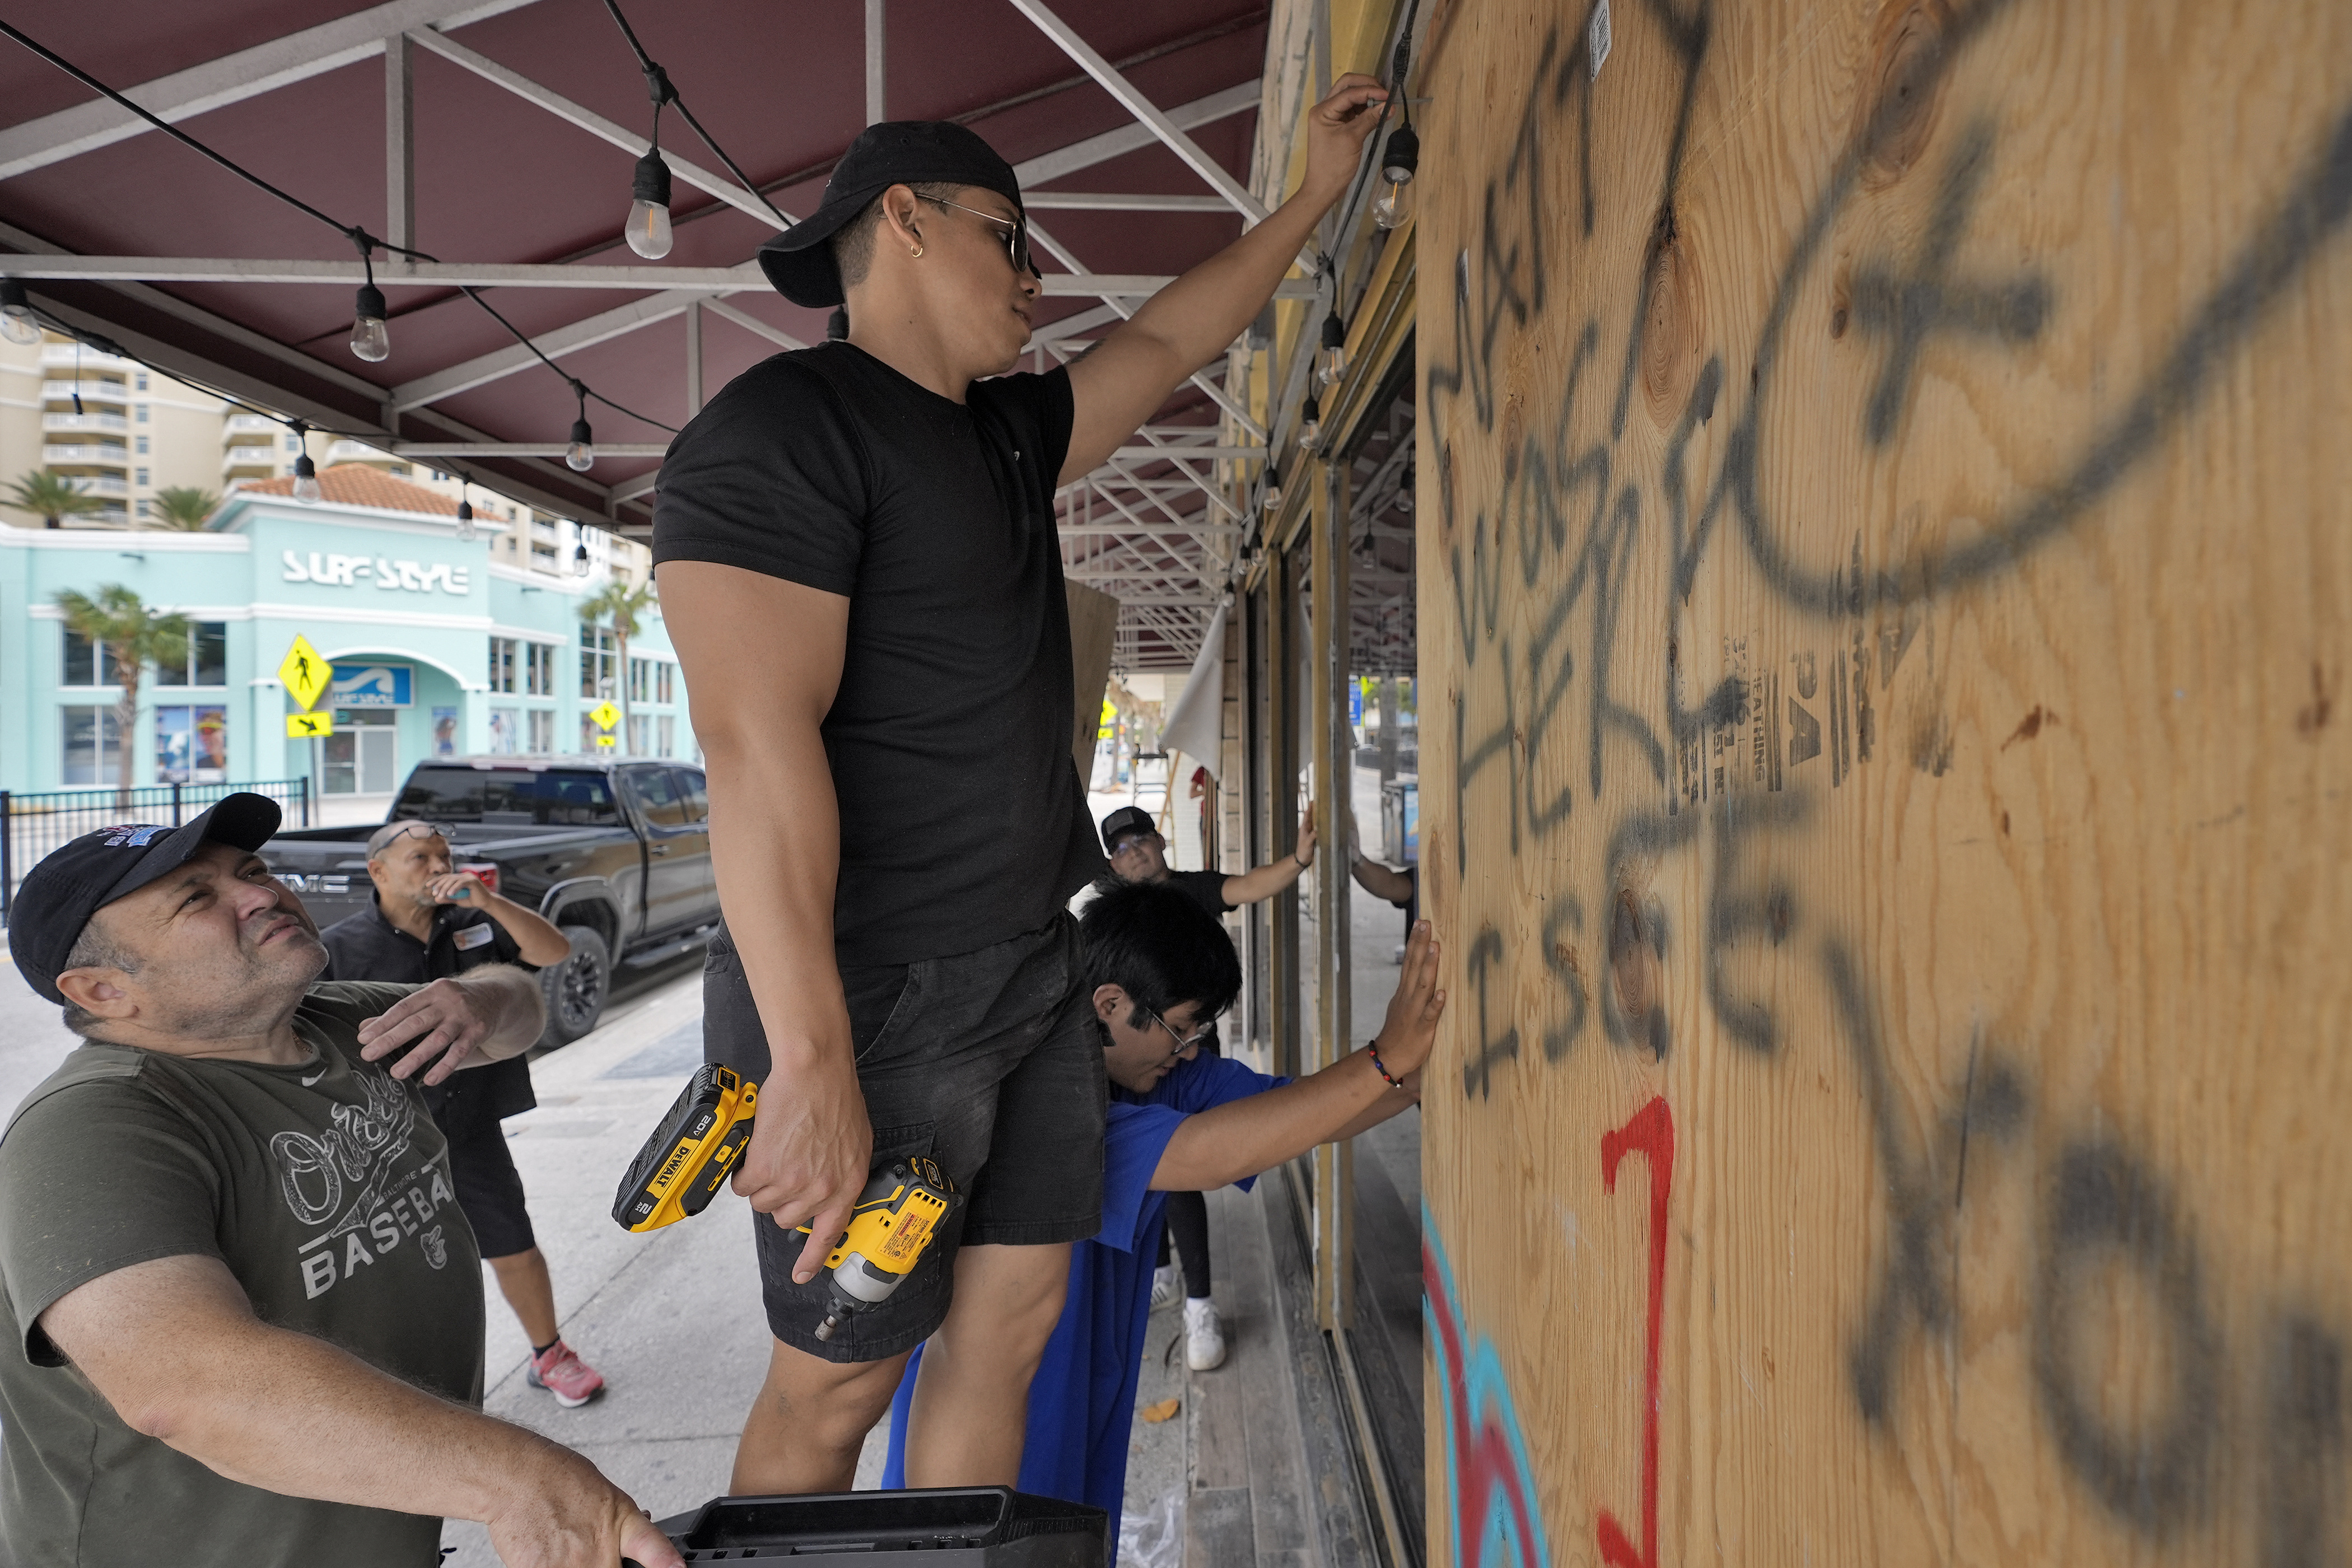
<point>745,278</point>
<point>1093,201</point>
<point>1061,161</point>
<point>231,78</point>
<point>595,125</point>
<point>467,375</point>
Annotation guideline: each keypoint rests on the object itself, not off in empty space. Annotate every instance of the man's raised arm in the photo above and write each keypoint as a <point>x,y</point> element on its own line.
<point>1197,317</point>
<point>172,1344</point>
<point>762,659</point>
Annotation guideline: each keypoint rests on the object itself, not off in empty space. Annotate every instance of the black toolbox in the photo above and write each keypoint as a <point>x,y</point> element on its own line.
<point>950,1527</point>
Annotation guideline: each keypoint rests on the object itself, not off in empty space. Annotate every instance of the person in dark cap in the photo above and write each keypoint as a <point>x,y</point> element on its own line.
<point>858,562</point>
<point>247,1310</point>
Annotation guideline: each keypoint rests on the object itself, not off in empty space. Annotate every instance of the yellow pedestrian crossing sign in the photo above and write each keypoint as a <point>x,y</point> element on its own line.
<point>605,715</point>
<point>306,676</point>
<point>303,726</point>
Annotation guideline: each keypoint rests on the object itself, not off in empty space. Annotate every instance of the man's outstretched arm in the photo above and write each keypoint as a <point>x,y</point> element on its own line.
<point>1243,1137</point>
<point>1270,878</point>
<point>173,1346</point>
<point>775,650</point>
<point>1197,317</point>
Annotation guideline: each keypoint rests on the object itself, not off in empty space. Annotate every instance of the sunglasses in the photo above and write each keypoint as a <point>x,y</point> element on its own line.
<point>1016,236</point>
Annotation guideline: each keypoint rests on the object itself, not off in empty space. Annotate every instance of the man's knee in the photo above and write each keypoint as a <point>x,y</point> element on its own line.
<point>1009,1298</point>
<point>833,1404</point>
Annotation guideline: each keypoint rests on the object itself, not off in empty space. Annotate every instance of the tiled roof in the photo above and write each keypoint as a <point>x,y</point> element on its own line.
<point>357,484</point>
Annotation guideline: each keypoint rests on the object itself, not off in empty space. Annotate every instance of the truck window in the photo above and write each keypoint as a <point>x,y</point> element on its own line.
<point>514,797</point>
<point>657,796</point>
<point>698,798</point>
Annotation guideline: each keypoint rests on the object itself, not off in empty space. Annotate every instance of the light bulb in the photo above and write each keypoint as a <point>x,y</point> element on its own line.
<point>306,480</point>
<point>1331,359</point>
<point>1272,498</point>
<point>369,341</point>
<point>648,230</point>
<point>17,323</point>
<point>1399,160</point>
<point>1388,211</point>
<point>1310,425</point>
<point>581,455</point>
<point>465,521</point>
<point>580,560</point>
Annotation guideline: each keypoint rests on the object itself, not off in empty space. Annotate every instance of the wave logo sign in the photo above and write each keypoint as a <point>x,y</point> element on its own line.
<point>371,686</point>
<point>1495,1517</point>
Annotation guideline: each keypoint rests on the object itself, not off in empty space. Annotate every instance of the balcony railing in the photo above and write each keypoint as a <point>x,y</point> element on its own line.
<point>236,457</point>
<point>356,452</point>
<point>84,422</point>
<point>113,457</point>
<point>98,484</point>
<point>247,424</point>
<point>86,359</point>
<point>92,391</point>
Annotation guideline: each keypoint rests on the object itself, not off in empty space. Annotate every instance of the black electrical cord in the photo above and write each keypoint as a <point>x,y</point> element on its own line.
<point>657,85</point>
<point>358,236</point>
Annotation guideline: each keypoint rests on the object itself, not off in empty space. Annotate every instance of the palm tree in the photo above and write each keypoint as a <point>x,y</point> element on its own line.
<point>183,506</point>
<point>51,497</point>
<point>623,603</point>
<point>134,637</point>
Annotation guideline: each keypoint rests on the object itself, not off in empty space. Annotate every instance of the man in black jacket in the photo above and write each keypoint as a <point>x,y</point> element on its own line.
<point>430,921</point>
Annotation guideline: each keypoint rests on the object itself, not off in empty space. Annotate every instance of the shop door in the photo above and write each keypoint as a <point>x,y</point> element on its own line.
<point>362,755</point>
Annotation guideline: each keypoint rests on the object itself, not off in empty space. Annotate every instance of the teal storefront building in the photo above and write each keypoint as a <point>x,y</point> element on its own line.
<point>439,647</point>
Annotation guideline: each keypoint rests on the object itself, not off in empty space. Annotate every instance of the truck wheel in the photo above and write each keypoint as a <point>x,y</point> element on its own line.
<point>575,988</point>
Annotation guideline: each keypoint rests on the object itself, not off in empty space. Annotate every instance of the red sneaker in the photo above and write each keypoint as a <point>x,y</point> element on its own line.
<point>561,1372</point>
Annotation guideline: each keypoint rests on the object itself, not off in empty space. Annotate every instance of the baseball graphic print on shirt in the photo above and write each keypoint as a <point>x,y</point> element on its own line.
<point>356,1177</point>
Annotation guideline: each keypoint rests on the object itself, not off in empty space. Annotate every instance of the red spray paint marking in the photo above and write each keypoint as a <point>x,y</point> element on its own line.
<point>1483,1462</point>
<point>1651,1131</point>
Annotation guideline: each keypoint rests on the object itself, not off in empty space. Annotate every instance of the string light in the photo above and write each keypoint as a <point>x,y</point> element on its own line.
<point>1398,161</point>
<point>649,230</point>
<point>580,456</point>
<point>465,521</point>
<point>1331,359</point>
<point>306,472</point>
<point>580,560</point>
<point>370,340</point>
<point>1273,495</point>
<point>1310,424</point>
<point>16,323</point>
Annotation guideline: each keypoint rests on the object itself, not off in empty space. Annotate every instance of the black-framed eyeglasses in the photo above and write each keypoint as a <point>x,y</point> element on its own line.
<point>1016,236</point>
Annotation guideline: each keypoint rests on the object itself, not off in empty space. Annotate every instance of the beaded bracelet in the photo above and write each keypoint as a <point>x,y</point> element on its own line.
<point>1382,1068</point>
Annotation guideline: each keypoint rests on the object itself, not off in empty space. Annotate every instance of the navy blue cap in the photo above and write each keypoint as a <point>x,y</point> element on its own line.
<point>58,896</point>
<point>799,261</point>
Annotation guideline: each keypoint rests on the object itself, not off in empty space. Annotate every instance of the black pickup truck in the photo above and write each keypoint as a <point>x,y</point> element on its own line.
<point>615,852</point>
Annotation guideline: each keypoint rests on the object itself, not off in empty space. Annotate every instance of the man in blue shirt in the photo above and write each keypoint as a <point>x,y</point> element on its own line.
<point>1160,969</point>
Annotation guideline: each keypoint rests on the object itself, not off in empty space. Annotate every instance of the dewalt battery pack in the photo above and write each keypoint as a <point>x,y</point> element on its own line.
<point>694,1149</point>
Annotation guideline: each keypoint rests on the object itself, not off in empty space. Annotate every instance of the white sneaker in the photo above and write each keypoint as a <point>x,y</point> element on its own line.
<point>1166,1286</point>
<point>1204,1336</point>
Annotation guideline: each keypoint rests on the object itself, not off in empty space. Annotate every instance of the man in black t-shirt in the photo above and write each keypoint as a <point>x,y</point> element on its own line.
<point>1138,854</point>
<point>429,920</point>
<point>860,570</point>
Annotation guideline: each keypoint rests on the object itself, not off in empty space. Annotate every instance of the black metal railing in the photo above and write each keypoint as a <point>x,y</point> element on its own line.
<point>32,824</point>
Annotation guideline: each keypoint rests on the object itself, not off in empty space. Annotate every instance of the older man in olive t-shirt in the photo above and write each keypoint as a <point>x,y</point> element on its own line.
<point>247,1310</point>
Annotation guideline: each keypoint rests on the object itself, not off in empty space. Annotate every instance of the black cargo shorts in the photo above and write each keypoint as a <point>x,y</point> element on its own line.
<point>989,1062</point>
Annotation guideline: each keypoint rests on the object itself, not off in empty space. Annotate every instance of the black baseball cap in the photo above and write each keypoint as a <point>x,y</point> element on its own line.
<point>1127,819</point>
<point>799,261</point>
<point>58,896</point>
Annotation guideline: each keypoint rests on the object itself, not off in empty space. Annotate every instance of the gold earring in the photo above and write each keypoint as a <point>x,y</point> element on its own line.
<point>916,252</point>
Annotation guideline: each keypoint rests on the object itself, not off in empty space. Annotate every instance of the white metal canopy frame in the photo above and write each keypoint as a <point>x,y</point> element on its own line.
<point>1160,526</point>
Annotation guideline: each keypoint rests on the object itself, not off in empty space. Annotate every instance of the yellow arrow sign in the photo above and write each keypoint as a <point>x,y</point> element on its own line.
<point>301,726</point>
<point>306,675</point>
<point>605,715</point>
<point>604,742</point>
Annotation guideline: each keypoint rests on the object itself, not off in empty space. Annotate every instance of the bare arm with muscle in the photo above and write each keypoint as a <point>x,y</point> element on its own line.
<point>774,649</point>
<point>1196,318</point>
<point>173,1346</point>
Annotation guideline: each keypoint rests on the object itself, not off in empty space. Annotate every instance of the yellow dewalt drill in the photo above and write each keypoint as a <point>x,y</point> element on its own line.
<point>695,1148</point>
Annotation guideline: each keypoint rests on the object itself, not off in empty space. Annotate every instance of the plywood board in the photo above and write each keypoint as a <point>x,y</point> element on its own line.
<point>1887,781</point>
<point>1093,629</point>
